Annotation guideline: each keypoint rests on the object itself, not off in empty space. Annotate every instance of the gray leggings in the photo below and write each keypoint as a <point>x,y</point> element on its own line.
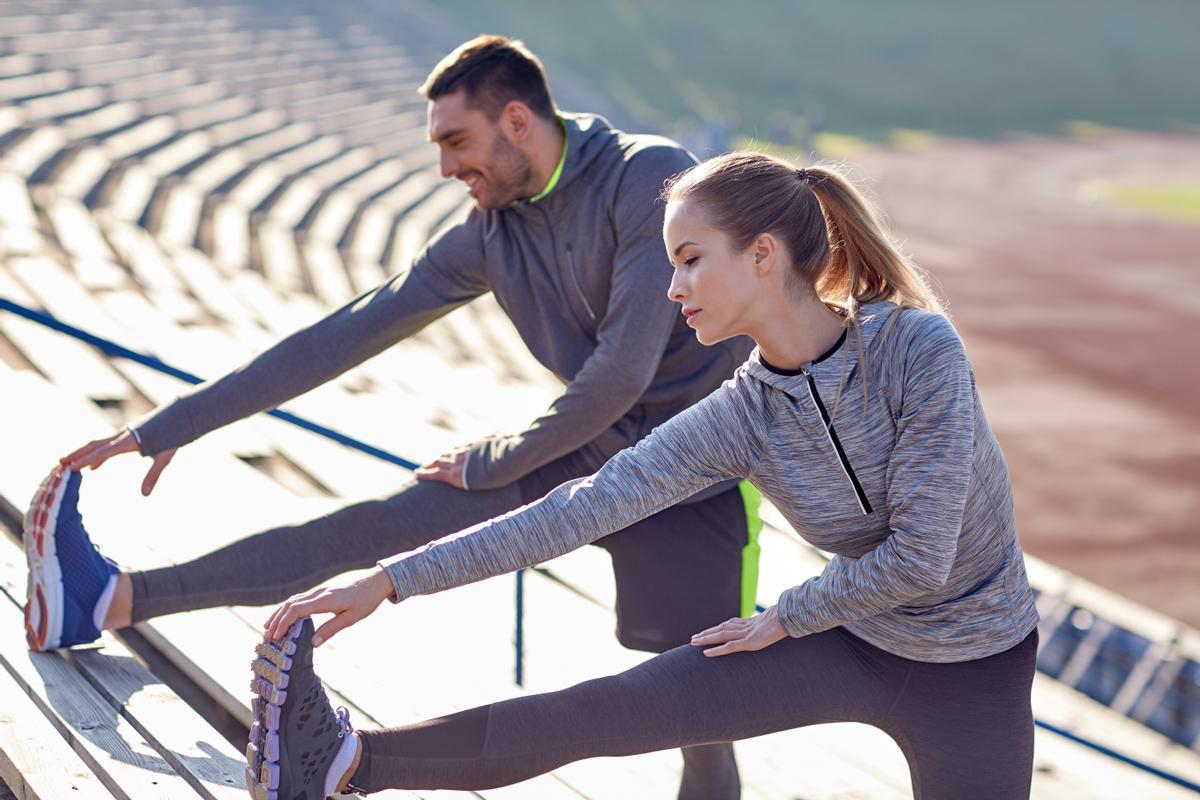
<point>699,543</point>
<point>966,729</point>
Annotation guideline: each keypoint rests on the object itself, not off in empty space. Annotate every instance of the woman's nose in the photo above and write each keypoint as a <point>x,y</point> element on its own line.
<point>675,292</point>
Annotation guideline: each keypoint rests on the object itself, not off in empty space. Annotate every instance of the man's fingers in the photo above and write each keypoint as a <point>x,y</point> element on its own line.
<point>97,451</point>
<point>90,455</point>
<point>434,475</point>
<point>160,463</point>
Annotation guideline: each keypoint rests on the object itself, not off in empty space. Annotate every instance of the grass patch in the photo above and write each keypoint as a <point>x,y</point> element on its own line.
<point>1170,201</point>
<point>828,146</point>
<point>913,139</point>
<point>777,69</point>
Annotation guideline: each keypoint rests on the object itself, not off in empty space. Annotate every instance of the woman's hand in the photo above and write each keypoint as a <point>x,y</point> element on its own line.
<point>93,454</point>
<point>348,604</point>
<point>738,634</point>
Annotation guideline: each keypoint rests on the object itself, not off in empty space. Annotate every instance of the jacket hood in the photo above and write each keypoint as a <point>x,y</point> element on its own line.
<point>588,136</point>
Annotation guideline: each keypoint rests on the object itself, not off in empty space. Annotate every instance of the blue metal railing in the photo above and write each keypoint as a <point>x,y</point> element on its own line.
<point>113,349</point>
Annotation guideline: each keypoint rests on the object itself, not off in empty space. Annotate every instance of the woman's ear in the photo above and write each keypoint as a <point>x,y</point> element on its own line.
<point>766,251</point>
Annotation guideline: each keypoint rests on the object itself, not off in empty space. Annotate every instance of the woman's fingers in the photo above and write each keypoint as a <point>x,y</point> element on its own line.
<point>734,646</point>
<point>732,628</point>
<point>349,604</point>
<point>739,635</point>
<point>275,627</point>
<point>339,622</point>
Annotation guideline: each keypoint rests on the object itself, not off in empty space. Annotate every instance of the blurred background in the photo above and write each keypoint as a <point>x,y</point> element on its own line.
<point>196,180</point>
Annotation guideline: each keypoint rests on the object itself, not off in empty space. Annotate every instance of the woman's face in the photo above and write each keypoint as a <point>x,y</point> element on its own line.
<point>714,285</point>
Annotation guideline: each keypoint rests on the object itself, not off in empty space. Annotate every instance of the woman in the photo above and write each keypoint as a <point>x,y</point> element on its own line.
<point>857,416</point>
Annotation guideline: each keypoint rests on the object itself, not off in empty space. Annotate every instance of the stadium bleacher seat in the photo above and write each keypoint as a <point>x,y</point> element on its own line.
<point>196,181</point>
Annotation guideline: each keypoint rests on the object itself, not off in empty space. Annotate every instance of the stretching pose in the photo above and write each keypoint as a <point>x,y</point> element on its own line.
<point>858,417</point>
<point>566,232</point>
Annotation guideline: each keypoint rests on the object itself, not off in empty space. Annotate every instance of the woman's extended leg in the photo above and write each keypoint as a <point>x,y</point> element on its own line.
<point>965,728</point>
<point>679,698</point>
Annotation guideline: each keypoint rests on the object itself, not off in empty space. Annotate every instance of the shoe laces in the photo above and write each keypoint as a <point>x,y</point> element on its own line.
<point>343,721</point>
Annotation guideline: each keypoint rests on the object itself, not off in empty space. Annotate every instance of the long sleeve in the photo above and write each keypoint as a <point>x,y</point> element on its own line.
<point>448,273</point>
<point>705,444</point>
<point>929,474</point>
<point>629,343</point>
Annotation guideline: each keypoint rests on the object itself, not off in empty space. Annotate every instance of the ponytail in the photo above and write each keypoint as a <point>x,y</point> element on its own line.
<point>864,265</point>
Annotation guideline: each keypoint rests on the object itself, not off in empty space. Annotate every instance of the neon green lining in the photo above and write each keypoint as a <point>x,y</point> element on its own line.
<point>557,170</point>
<point>751,499</point>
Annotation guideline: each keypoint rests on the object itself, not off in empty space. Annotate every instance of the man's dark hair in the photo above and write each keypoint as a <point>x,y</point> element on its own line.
<point>492,71</point>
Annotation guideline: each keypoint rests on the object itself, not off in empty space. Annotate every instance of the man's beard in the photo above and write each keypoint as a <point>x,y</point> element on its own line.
<point>511,175</point>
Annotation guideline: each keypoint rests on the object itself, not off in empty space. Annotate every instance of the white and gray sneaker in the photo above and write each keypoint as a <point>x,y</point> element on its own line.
<point>299,746</point>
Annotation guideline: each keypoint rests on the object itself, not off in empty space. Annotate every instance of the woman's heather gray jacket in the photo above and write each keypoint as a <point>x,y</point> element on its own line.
<point>907,487</point>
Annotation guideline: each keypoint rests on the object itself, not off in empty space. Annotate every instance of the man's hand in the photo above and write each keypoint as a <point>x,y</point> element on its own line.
<point>95,453</point>
<point>447,468</point>
<point>349,604</point>
<point>738,635</point>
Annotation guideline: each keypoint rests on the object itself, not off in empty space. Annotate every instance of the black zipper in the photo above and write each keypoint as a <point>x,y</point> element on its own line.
<point>863,502</point>
<point>578,285</point>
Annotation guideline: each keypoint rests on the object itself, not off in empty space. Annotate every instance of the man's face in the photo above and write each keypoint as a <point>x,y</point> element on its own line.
<point>479,152</point>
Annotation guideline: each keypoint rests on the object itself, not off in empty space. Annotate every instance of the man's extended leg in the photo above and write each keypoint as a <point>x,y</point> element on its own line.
<point>269,567</point>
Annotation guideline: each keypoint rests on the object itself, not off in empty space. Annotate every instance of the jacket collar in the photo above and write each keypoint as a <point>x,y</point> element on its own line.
<point>871,319</point>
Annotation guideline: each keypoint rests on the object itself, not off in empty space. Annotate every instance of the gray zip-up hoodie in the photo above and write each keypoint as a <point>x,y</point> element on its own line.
<point>583,275</point>
<point>909,491</point>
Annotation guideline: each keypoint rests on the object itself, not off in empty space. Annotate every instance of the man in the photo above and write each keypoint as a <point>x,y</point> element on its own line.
<point>567,233</point>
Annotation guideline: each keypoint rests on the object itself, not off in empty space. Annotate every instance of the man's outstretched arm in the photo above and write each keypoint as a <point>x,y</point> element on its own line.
<point>447,274</point>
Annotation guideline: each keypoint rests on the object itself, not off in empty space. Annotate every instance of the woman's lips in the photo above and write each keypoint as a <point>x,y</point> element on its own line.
<point>691,314</point>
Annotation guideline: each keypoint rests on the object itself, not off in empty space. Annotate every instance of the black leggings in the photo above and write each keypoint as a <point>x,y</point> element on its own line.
<point>966,728</point>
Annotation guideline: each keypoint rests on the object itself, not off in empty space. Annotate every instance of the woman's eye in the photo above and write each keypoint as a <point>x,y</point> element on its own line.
<point>687,262</point>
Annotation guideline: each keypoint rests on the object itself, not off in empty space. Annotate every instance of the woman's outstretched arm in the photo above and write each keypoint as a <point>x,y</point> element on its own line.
<point>703,445</point>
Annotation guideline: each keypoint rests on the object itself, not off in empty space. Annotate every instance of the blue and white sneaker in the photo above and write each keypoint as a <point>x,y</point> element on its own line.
<point>70,584</point>
<point>299,746</point>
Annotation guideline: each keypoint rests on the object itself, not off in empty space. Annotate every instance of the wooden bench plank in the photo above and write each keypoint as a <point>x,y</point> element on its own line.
<point>125,762</point>
<point>189,744</point>
<point>35,762</point>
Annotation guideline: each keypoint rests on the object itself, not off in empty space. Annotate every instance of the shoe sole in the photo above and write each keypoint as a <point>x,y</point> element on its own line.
<point>269,686</point>
<point>44,590</point>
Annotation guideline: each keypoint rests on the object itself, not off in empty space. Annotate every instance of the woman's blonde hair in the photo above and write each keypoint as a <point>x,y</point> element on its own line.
<point>837,244</point>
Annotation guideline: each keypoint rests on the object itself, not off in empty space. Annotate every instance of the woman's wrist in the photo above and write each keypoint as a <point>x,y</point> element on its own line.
<point>381,584</point>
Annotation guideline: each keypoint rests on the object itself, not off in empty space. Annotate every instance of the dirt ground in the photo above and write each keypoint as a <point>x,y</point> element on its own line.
<point>1083,323</point>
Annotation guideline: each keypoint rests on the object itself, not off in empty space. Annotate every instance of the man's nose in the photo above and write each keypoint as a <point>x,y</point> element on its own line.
<point>449,165</point>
